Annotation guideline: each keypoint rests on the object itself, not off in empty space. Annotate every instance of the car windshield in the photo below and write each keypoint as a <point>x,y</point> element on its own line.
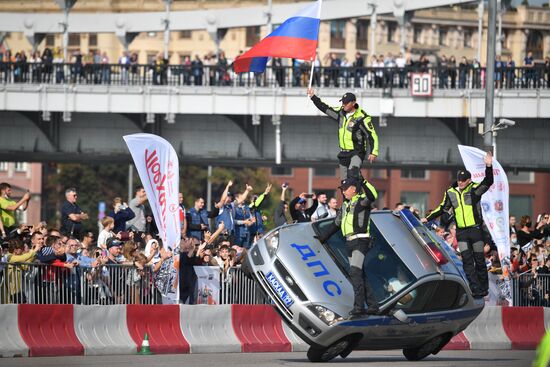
<point>383,268</point>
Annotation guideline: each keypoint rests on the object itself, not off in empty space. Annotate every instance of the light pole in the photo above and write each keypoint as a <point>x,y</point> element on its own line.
<point>373,5</point>
<point>502,124</point>
<point>166,23</point>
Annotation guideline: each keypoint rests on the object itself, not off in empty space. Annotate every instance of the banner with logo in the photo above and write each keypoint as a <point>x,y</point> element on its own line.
<point>495,209</point>
<point>158,168</point>
<point>208,285</point>
<point>494,203</point>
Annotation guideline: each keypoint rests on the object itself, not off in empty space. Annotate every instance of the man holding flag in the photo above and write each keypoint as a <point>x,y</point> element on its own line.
<point>465,199</point>
<point>354,130</point>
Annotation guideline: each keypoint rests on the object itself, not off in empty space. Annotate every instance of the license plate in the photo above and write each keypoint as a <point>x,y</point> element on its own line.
<point>279,289</point>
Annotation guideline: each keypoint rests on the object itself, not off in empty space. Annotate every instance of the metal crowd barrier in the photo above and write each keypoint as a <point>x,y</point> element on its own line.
<point>535,77</point>
<point>530,290</point>
<point>35,283</point>
<point>237,288</point>
<point>45,284</point>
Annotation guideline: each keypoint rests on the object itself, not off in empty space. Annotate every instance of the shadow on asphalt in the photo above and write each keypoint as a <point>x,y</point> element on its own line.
<point>378,359</point>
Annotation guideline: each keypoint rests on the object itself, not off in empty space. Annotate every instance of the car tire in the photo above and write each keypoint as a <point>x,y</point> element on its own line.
<point>317,355</point>
<point>432,346</point>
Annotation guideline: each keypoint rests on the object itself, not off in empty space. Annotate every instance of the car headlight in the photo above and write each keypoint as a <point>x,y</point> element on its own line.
<point>272,243</point>
<point>324,314</point>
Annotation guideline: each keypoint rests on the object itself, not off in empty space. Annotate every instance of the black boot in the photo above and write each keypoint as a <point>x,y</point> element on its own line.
<point>469,269</point>
<point>354,173</point>
<point>356,275</point>
<point>373,308</point>
<point>481,272</point>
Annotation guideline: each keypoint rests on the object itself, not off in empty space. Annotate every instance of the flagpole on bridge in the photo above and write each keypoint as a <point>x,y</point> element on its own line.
<point>315,58</point>
<point>311,74</point>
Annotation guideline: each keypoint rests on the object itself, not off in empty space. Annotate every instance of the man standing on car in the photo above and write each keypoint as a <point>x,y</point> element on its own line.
<point>353,219</point>
<point>465,199</point>
<point>354,130</point>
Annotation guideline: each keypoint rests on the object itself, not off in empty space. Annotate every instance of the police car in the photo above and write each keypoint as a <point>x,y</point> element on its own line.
<point>417,279</point>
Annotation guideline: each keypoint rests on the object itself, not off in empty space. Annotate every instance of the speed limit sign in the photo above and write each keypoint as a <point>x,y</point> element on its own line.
<point>421,85</point>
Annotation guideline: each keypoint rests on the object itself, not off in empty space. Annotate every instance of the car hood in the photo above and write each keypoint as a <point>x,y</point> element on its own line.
<point>313,269</point>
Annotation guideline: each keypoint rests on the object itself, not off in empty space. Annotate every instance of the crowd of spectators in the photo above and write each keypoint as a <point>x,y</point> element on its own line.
<point>528,264</point>
<point>127,262</point>
<point>382,71</point>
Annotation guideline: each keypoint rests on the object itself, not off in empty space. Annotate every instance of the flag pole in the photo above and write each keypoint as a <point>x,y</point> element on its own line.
<point>311,74</point>
<point>315,58</point>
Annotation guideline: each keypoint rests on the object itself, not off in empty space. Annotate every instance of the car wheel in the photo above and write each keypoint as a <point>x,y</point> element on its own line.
<point>329,353</point>
<point>433,345</point>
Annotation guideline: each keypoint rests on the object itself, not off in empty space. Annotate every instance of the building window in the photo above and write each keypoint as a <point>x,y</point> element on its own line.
<point>505,39</point>
<point>442,36</point>
<point>522,177</point>
<point>418,200</point>
<point>381,199</point>
<point>281,171</point>
<point>20,167</point>
<point>337,29</point>
<point>324,171</point>
<point>185,34</point>
<point>419,174</point>
<point>362,39</point>
<point>74,39</point>
<point>521,205</point>
<point>378,173</point>
<point>417,32</point>
<point>468,38</point>
<point>151,57</point>
<point>252,36</point>
<point>392,28</point>
<point>92,40</point>
<point>50,40</point>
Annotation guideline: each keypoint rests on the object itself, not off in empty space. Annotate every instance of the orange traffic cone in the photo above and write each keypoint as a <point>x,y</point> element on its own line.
<point>145,350</point>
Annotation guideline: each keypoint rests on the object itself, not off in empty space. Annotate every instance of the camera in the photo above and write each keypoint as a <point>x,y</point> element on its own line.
<point>285,184</point>
<point>309,196</point>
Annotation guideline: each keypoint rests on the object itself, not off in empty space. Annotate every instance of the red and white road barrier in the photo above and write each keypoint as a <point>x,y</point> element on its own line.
<point>66,330</point>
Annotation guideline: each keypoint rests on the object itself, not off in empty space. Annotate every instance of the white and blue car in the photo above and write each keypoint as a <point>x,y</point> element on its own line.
<point>418,280</point>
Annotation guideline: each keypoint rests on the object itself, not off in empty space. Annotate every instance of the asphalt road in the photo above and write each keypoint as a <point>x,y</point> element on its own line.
<point>488,358</point>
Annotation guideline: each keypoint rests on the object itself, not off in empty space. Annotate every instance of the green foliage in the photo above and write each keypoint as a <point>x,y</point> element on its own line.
<point>96,183</point>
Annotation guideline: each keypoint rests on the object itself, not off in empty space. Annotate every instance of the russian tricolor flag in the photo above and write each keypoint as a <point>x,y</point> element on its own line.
<point>296,38</point>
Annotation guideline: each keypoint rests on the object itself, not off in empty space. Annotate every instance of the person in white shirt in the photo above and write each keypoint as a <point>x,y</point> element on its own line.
<point>108,224</point>
<point>322,207</point>
<point>332,208</point>
<point>401,63</point>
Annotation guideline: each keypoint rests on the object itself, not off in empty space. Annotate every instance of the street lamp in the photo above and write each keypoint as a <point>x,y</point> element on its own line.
<point>501,125</point>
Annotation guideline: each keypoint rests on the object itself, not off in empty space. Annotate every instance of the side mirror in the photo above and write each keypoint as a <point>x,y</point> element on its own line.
<point>401,316</point>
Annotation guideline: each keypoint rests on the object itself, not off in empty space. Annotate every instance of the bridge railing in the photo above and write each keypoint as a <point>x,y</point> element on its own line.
<point>535,77</point>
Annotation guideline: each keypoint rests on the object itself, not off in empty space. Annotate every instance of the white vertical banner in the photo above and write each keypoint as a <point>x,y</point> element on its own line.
<point>158,167</point>
<point>495,209</point>
<point>208,285</point>
<point>494,203</point>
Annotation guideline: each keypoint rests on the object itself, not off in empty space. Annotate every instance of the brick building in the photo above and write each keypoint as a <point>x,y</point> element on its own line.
<point>423,189</point>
